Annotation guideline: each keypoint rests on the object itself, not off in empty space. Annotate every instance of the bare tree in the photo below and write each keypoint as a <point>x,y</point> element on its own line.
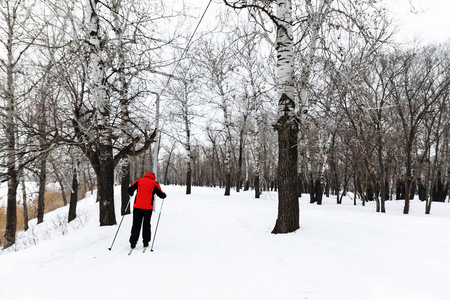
<point>254,90</point>
<point>183,94</point>
<point>415,90</point>
<point>16,40</point>
<point>219,65</point>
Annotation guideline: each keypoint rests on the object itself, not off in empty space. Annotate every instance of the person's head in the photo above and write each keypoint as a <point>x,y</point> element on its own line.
<point>150,175</point>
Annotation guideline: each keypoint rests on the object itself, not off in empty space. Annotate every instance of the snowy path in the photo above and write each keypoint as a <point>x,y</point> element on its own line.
<point>213,247</point>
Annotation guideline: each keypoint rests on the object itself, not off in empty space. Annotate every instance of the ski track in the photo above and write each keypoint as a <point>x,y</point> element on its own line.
<point>209,246</point>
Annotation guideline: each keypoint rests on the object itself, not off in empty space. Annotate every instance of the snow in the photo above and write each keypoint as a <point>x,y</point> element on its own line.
<point>209,246</point>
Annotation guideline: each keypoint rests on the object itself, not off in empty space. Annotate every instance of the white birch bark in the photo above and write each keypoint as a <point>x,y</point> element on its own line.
<point>316,17</point>
<point>98,89</point>
<point>185,113</point>
<point>324,152</point>
<point>126,128</point>
<point>287,124</point>
<point>97,73</point>
<point>227,125</point>
<point>446,158</point>
<point>10,112</point>
<point>157,138</point>
<point>285,58</point>
<point>257,142</point>
<point>315,21</point>
<point>247,170</point>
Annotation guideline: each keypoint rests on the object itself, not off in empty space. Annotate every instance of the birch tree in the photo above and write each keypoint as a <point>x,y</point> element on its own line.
<point>254,90</point>
<point>183,94</point>
<point>120,26</point>
<point>103,89</point>
<point>280,13</point>
<point>316,16</point>
<point>104,162</point>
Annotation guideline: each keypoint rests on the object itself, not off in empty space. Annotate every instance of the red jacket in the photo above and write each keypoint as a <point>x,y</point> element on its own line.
<point>146,187</point>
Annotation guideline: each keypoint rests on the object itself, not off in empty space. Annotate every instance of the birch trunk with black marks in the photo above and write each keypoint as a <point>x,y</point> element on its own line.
<point>315,19</point>
<point>322,168</point>
<point>124,101</point>
<point>24,197</point>
<point>188,143</point>
<point>104,166</point>
<point>257,140</point>
<point>25,204</point>
<point>288,219</point>
<point>41,194</point>
<point>10,127</point>
<point>227,124</point>
<point>42,127</point>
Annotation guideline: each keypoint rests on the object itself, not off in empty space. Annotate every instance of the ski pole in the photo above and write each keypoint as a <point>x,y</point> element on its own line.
<point>156,229</point>
<point>128,204</point>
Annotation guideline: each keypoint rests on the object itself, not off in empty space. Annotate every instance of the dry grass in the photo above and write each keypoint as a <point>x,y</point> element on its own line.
<point>2,221</point>
<point>53,200</point>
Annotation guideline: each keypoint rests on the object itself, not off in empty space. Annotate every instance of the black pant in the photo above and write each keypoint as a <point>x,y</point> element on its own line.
<point>139,216</point>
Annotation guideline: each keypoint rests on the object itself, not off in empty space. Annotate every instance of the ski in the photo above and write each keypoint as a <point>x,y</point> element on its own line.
<point>129,252</point>
<point>145,249</point>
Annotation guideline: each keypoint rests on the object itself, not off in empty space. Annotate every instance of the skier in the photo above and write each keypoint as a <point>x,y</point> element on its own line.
<point>146,188</point>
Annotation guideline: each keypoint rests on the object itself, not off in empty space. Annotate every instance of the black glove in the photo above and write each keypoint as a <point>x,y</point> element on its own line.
<point>163,196</point>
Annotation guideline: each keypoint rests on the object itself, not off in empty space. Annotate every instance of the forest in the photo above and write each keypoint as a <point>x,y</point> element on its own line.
<point>310,97</point>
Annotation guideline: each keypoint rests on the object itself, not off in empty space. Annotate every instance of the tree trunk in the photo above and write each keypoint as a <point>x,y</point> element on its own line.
<point>188,181</point>
<point>188,148</point>
<point>105,167</point>
<point>288,219</point>
<point>125,182</point>
<point>240,158</point>
<point>258,142</point>
<point>312,189</point>
<point>124,101</point>
<point>105,179</point>
<point>11,211</point>
<point>228,148</point>
<point>407,178</point>
<point>73,194</point>
<point>213,169</point>
<point>188,164</point>
<point>247,181</point>
<point>41,196</point>
<point>25,204</point>
<point>319,190</point>
<point>257,188</point>
<point>166,169</point>
<point>60,182</point>
<point>227,184</point>
<point>288,206</point>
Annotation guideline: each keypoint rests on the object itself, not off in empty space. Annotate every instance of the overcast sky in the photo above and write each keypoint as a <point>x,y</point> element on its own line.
<point>428,20</point>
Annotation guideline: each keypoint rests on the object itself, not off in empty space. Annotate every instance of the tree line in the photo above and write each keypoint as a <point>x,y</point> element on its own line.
<point>293,96</point>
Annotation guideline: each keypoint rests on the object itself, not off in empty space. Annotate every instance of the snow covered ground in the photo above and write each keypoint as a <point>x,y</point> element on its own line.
<point>213,247</point>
